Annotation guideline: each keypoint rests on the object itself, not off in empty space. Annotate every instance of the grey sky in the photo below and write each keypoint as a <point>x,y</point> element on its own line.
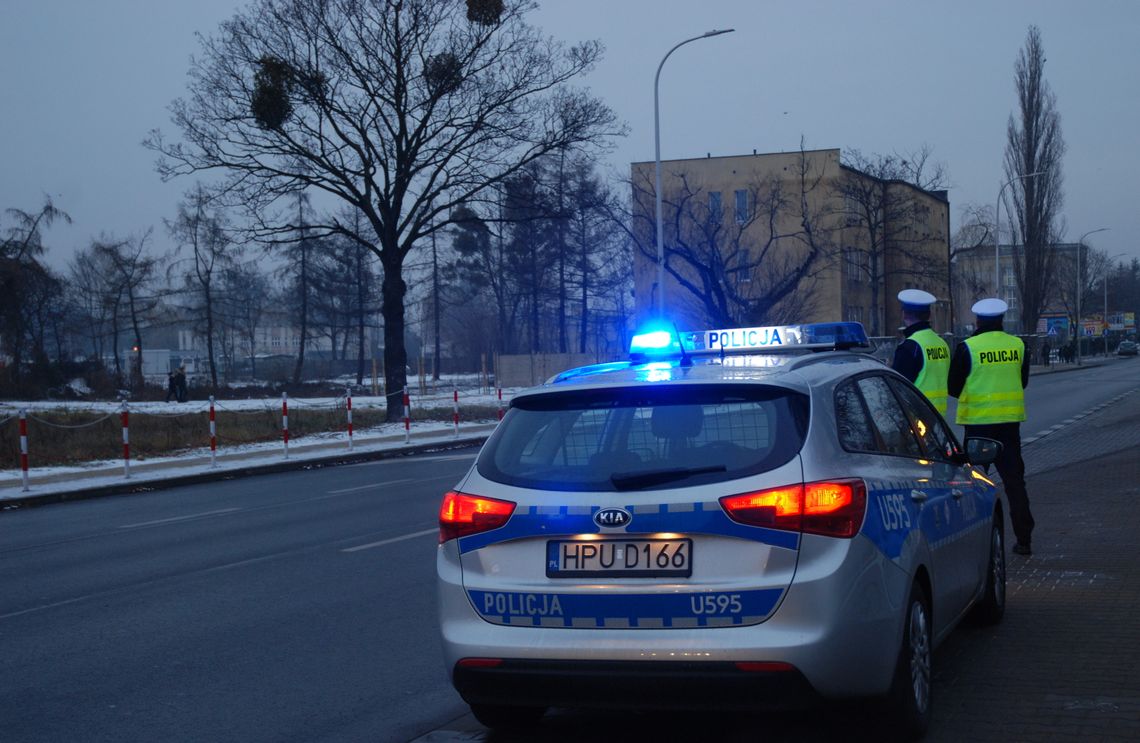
<point>81,83</point>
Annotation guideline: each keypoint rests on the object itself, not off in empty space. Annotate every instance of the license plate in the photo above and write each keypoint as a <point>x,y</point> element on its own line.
<point>618,558</point>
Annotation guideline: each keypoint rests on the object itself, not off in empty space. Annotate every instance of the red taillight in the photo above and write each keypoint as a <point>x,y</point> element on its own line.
<point>480,662</point>
<point>764,666</point>
<point>462,514</point>
<point>832,508</point>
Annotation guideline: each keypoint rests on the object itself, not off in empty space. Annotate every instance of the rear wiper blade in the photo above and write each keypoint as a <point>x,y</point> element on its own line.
<point>635,480</point>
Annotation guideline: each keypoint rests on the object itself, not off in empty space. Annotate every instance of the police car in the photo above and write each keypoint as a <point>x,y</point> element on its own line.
<point>731,519</point>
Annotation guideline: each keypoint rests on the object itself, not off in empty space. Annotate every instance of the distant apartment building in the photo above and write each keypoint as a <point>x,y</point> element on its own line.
<point>741,229</point>
<point>976,269</point>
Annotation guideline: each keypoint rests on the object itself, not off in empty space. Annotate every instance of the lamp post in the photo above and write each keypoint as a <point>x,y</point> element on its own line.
<point>657,161</point>
<point>1107,268</point>
<point>997,227</point>
<point>1081,328</point>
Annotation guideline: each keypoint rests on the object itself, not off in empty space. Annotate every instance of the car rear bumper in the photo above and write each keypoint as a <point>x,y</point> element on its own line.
<point>633,685</point>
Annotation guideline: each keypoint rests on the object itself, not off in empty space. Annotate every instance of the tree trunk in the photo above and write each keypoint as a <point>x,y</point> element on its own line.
<point>395,355</point>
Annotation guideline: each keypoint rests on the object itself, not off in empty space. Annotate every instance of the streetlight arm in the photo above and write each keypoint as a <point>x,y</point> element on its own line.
<point>657,161</point>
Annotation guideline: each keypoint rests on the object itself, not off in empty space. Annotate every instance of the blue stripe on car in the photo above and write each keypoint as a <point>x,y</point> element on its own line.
<point>703,518</point>
<point>691,609</point>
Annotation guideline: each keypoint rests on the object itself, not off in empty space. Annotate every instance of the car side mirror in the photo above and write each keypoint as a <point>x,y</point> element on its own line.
<point>982,451</point>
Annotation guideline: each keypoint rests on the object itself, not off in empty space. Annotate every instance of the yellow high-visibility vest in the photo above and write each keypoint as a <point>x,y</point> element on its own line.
<point>931,380</point>
<point>993,391</point>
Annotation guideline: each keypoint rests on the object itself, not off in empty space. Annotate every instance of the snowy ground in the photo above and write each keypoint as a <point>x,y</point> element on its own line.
<point>230,457</point>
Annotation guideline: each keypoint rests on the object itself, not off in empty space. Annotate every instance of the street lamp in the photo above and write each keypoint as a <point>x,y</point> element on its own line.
<point>1107,268</point>
<point>1081,328</point>
<point>997,227</point>
<point>657,160</point>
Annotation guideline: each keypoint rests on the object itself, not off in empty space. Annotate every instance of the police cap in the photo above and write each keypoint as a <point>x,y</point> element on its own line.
<point>990,307</point>
<point>916,300</point>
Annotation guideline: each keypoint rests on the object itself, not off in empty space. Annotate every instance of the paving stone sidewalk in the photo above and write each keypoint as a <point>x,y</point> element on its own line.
<point>1065,663</point>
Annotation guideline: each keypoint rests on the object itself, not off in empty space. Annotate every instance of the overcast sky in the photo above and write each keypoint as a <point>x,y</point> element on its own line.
<point>83,81</point>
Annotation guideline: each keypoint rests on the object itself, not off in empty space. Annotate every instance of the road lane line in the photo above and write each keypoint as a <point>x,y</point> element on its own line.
<point>179,518</point>
<point>369,486</point>
<point>405,537</point>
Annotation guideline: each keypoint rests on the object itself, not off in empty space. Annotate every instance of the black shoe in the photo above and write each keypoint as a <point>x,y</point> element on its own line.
<point>1022,548</point>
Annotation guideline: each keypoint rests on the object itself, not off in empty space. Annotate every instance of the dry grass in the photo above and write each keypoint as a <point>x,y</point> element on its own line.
<point>68,437</point>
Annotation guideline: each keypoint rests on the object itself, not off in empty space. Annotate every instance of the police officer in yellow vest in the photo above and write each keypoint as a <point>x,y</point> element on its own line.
<point>988,375</point>
<point>922,357</point>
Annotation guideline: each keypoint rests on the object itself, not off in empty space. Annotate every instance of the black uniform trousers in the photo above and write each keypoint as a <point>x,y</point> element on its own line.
<point>1011,467</point>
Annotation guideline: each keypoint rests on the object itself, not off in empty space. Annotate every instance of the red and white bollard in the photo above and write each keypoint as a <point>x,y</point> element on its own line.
<point>285,421</point>
<point>455,415</point>
<point>125,415</point>
<point>348,406</point>
<point>24,447</point>
<point>407,418</point>
<point>213,436</point>
<point>500,393</point>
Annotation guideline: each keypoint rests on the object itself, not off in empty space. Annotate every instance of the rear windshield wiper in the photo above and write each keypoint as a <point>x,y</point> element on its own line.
<point>636,480</point>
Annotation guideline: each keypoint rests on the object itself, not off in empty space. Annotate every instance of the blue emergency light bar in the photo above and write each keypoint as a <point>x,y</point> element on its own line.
<point>658,344</point>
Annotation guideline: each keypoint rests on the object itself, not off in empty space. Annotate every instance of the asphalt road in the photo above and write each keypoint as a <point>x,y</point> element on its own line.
<point>289,607</point>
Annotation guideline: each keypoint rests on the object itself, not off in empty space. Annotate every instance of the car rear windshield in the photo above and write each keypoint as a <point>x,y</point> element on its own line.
<point>638,438</point>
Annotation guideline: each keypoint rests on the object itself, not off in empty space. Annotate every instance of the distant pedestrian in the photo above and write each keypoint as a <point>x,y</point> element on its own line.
<point>180,383</point>
<point>171,385</point>
<point>988,375</point>
<point>1045,351</point>
<point>923,358</point>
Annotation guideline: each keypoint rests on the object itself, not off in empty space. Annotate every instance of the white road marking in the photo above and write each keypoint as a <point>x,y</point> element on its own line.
<point>405,537</point>
<point>179,518</point>
<point>368,487</point>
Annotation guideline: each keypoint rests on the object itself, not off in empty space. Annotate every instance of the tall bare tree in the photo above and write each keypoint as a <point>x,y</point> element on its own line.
<point>202,231</point>
<point>401,110</point>
<point>134,271</point>
<point>1034,144</point>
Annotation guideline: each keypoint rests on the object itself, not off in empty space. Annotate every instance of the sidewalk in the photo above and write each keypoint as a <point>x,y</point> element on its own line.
<point>1065,663</point>
<point>166,472</point>
<point>1087,362</point>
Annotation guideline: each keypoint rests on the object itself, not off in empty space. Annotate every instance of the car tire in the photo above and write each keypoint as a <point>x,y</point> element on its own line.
<point>909,701</point>
<point>507,717</point>
<point>991,608</point>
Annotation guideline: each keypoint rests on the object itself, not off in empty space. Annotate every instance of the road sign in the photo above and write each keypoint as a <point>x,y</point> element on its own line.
<point>1053,331</point>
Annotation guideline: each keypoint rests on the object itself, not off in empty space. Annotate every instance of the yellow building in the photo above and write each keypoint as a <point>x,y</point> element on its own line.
<point>787,237</point>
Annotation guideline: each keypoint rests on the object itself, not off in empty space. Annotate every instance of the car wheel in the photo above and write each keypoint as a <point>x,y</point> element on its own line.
<point>992,606</point>
<point>909,701</point>
<point>507,717</point>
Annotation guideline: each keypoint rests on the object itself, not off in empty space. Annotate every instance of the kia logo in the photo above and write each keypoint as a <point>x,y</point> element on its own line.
<point>608,518</point>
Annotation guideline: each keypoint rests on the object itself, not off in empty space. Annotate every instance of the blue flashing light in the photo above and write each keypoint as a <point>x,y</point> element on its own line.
<point>838,334</point>
<point>654,343</point>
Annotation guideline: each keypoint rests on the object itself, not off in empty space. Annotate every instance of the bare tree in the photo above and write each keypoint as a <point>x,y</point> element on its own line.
<point>970,277</point>
<point>1034,145</point>
<point>203,232</point>
<point>755,268</point>
<point>879,195</point>
<point>24,282</point>
<point>401,110</point>
<point>133,272</point>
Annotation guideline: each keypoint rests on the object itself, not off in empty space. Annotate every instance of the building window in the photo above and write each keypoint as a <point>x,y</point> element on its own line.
<point>743,207</point>
<point>716,209</point>
<point>853,261</point>
<point>742,274</point>
<point>1008,279</point>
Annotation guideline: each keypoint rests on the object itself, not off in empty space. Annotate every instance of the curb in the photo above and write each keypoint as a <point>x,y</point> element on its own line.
<point>146,486</point>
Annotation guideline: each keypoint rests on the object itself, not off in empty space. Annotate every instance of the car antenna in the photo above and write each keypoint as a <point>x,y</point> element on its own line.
<point>686,359</point>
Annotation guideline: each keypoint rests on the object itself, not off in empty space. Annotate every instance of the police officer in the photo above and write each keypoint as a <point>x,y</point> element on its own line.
<point>922,357</point>
<point>988,375</point>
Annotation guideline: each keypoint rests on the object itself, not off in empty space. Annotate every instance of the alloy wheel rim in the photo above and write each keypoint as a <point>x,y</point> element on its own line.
<point>919,656</point>
<point>997,568</point>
